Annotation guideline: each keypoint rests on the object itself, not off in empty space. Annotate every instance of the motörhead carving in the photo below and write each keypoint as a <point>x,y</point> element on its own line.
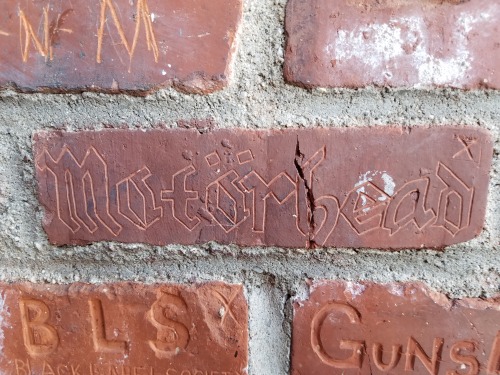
<point>378,188</point>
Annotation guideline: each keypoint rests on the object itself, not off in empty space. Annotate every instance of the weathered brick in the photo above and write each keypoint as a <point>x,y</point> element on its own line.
<point>123,328</point>
<point>381,188</point>
<point>117,45</point>
<point>351,328</point>
<point>428,43</point>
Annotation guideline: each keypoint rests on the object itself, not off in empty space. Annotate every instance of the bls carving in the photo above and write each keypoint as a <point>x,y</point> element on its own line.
<point>86,201</point>
<point>168,314</point>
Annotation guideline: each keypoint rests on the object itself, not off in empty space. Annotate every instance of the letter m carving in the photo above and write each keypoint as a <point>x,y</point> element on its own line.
<point>143,16</point>
<point>81,189</point>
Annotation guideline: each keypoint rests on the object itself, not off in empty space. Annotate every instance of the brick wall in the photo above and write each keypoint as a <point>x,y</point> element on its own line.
<point>255,187</point>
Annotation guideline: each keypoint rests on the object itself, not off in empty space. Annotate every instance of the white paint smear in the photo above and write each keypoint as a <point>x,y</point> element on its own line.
<point>389,185</point>
<point>368,176</point>
<point>379,45</point>
<point>396,290</point>
<point>355,289</point>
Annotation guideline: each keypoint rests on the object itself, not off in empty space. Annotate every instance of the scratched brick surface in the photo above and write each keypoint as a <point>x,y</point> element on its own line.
<point>428,43</point>
<point>381,188</point>
<point>117,45</point>
<point>350,328</point>
<point>123,328</point>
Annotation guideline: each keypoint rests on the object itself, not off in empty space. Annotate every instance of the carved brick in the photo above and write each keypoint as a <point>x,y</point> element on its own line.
<point>380,188</point>
<point>427,43</point>
<point>364,328</point>
<point>123,328</point>
<point>117,45</point>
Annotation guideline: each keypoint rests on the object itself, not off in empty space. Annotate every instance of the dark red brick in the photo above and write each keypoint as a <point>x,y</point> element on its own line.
<point>381,188</point>
<point>428,43</point>
<point>117,45</point>
<point>123,328</point>
<point>348,328</point>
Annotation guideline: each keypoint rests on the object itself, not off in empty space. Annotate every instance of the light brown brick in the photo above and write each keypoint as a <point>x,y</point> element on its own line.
<point>381,188</point>
<point>365,328</point>
<point>117,45</point>
<point>123,328</point>
<point>428,43</point>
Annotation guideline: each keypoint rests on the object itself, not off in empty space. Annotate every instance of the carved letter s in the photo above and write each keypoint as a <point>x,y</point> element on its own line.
<point>171,333</point>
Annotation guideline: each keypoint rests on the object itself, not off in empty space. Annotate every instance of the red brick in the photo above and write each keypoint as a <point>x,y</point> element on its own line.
<point>348,328</point>
<point>90,44</point>
<point>428,43</point>
<point>123,328</point>
<point>366,187</point>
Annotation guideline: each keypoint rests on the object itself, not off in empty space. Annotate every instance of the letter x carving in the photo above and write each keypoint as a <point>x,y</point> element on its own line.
<point>226,304</point>
<point>466,148</point>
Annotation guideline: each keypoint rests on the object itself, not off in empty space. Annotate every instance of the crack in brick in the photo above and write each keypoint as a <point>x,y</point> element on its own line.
<point>298,161</point>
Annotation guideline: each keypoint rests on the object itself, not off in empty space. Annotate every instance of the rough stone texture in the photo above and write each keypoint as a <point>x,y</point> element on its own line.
<point>117,45</point>
<point>293,188</point>
<point>256,98</point>
<point>123,328</point>
<point>429,43</point>
<point>365,328</point>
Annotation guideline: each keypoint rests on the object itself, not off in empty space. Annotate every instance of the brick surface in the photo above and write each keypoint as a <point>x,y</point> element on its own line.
<point>382,188</point>
<point>429,43</point>
<point>117,45</point>
<point>348,328</point>
<point>123,328</point>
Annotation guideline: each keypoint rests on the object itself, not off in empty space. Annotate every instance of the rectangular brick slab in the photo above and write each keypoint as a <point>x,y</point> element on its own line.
<point>117,45</point>
<point>427,43</point>
<point>367,187</point>
<point>123,329</point>
<point>350,328</point>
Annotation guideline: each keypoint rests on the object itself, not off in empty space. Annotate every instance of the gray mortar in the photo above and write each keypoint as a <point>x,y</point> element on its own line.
<point>256,98</point>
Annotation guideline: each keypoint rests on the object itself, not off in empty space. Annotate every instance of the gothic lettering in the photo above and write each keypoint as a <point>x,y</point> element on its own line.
<point>280,188</point>
<point>136,200</point>
<point>81,189</point>
<point>408,205</point>
<point>180,196</point>
<point>226,201</point>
